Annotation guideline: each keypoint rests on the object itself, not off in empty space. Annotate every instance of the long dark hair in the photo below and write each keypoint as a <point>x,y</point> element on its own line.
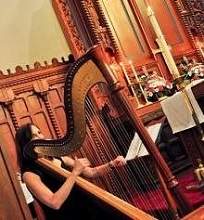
<point>23,137</point>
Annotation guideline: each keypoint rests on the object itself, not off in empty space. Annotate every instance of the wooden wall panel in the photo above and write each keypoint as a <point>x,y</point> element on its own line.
<point>7,134</point>
<point>20,106</point>
<point>32,103</point>
<point>2,113</point>
<point>127,31</point>
<point>60,114</point>
<point>55,96</point>
<point>171,26</point>
<point>8,195</point>
<point>12,202</point>
<point>57,102</point>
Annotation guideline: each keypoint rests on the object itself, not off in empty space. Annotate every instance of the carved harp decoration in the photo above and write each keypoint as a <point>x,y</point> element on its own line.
<point>84,74</point>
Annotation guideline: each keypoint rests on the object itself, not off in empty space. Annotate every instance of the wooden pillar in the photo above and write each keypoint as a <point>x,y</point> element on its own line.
<point>41,87</point>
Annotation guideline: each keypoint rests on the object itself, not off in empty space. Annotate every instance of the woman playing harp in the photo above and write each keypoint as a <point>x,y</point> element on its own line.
<point>38,184</point>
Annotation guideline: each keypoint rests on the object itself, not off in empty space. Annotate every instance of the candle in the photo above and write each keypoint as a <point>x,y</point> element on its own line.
<point>134,71</point>
<point>125,73</point>
<point>112,67</point>
<point>112,74</point>
<point>136,77</point>
<point>129,82</point>
<point>163,46</point>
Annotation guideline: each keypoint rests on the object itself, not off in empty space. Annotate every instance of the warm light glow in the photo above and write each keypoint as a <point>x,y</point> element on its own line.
<point>130,62</point>
<point>111,72</point>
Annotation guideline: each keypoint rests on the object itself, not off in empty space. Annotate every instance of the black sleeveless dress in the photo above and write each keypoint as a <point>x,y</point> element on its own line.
<point>78,206</point>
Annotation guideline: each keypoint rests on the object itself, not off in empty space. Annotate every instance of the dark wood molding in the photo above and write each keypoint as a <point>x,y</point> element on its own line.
<point>21,79</point>
<point>68,26</point>
<point>192,17</point>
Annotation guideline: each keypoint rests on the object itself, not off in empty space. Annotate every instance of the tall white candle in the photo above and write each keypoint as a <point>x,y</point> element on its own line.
<point>164,48</point>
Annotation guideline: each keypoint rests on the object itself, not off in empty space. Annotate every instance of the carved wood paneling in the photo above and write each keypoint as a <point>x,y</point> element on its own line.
<point>21,101</point>
<point>57,102</point>
<point>8,122</point>
<point>92,20</point>
<point>177,16</point>
<point>68,26</point>
<point>192,17</point>
<point>105,31</point>
<point>193,13</point>
<point>41,88</point>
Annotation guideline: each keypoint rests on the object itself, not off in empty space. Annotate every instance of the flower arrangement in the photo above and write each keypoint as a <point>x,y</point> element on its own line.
<point>156,87</point>
<point>191,70</point>
<point>195,72</point>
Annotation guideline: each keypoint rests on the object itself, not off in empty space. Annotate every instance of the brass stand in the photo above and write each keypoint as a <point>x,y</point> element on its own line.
<point>199,173</point>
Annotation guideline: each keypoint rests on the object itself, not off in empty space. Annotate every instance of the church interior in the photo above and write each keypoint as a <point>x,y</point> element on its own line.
<point>104,78</point>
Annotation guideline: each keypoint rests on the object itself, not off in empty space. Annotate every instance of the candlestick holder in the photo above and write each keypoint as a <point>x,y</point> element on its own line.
<point>130,84</point>
<point>199,174</point>
<point>139,94</point>
<point>138,82</point>
<point>179,82</point>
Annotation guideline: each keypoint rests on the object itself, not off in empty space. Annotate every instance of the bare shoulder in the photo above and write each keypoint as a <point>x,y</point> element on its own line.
<point>30,176</point>
<point>37,187</point>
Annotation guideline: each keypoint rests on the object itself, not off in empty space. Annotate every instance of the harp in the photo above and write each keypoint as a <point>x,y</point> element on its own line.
<point>86,72</point>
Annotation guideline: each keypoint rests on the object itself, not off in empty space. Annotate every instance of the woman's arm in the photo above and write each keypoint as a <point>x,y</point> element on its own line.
<point>92,172</point>
<point>45,195</point>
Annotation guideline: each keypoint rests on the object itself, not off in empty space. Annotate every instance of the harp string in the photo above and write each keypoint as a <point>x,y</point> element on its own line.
<point>129,181</point>
<point>104,144</point>
<point>93,153</point>
<point>151,195</point>
<point>121,177</point>
<point>121,133</point>
<point>146,172</point>
<point>129,187</point>
<point>100,147</point>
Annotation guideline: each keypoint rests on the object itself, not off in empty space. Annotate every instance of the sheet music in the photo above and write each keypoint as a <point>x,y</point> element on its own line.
<point>27,194</point>
<point>137,148</point>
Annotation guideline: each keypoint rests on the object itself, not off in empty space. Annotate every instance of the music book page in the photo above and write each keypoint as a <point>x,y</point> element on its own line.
<point>137,148</point>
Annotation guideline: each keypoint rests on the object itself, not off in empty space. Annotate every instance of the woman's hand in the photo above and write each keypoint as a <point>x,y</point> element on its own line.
<point>118,161</point>
<point>79,165</point>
